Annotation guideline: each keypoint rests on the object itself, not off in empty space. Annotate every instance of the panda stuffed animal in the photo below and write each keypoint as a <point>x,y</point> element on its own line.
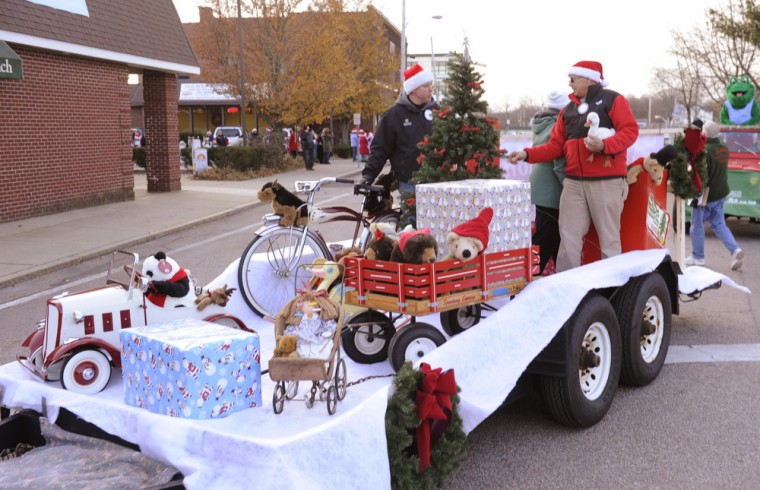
<point>168,285</point>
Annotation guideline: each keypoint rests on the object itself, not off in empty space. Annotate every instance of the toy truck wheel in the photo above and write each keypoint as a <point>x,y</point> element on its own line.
<point>366,337</point>
<point>340,379</point>
<point>457,321</point>
<point>278,397</point>
<point>644,312</point>
<point>582,397</point>
<point>412,342</point>
<point>86,372</point>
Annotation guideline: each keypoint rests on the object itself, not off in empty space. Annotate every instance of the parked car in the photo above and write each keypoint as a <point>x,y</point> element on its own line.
<point>233,133</point>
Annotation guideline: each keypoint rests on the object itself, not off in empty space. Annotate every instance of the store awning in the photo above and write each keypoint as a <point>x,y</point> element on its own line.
<point>10,62</point>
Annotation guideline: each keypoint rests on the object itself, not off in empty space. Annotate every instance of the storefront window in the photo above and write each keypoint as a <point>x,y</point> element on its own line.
<point>200,123</point>
<point>232,116</point>
<point>183,119</point>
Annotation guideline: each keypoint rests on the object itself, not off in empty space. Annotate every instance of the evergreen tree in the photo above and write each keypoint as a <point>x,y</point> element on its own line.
<point>464,144</point>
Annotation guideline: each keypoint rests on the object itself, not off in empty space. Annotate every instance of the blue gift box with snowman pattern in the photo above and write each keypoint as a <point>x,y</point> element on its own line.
<point>191,369</point>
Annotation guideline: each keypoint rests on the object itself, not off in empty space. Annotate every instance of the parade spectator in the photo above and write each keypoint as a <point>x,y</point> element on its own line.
<point>307,147</point>
<point>595,185</point>
<point>221,139</point>
<point>327,145</point>
<point>293,142</point>
<point>709,207</point>
<point>354,144</point>
<point>254,135</point>
<point>315,138</point>
<point>363,146</point>
<point>546,182</point>
<point>401,128</point>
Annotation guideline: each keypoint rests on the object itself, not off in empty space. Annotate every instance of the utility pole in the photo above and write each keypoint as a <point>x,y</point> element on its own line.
<point>242,77</point>
<point>403,41</point>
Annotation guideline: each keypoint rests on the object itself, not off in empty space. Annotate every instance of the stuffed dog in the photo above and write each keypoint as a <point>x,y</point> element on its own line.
<point>284,203</point>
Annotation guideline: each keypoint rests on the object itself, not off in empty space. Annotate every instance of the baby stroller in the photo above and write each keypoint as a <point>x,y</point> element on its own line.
<point>317,322</point>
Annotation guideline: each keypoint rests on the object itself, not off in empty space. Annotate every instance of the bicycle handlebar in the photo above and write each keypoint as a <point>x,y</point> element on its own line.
<point>367,188</point>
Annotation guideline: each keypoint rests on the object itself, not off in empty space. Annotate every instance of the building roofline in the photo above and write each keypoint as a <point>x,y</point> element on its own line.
<point>102,54</point>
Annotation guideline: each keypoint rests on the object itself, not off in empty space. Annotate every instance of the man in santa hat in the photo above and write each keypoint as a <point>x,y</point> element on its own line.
<point>595,186</point>
<point>401,128</point>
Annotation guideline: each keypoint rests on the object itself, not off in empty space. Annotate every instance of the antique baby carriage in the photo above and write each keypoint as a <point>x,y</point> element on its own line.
<point>316,321</point>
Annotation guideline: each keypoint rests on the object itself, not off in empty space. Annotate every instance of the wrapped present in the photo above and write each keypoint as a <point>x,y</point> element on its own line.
<point>444,205</point>
<point>191,369</point>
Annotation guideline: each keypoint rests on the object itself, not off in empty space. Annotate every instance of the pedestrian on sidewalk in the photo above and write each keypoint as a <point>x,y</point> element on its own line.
<point>307,147</point>
<point>363,146</point>
<point>327,145</point>
<point>709,206</point>
<point>293,142</point>
<point>354,143</point>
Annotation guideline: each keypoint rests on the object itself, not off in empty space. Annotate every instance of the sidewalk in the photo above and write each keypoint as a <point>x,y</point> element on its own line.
<point>34,246</point>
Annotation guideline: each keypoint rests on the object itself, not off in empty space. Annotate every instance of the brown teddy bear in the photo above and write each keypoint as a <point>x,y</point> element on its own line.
<point>219,296</point>
<point>415,247</point>
<point>655,165</point>
<point>286,346</point>
<point>383,240</point>
<point>468,240</point>
<point>285,203</point>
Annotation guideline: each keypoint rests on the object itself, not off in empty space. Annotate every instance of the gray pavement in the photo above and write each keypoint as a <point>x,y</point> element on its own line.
<point>35,246</point>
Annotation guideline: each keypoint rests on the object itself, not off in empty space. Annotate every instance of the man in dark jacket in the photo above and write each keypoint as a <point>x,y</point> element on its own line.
<point>709,207</point>
<point>595,186</point>
<point>401,128</point>
<point>307,146</point>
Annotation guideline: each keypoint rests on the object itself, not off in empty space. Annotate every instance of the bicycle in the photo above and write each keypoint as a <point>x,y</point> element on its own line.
<point>267,267</point>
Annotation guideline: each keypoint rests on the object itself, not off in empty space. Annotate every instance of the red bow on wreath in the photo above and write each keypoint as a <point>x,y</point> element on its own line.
<point>433,402</point>
<point>694,141</point>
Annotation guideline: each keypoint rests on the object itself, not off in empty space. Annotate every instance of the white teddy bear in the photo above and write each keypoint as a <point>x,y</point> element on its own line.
<point>468,240</point>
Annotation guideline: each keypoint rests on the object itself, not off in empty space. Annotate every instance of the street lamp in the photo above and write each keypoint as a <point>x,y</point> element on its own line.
<point>432,61</point>
<point>661,119</point>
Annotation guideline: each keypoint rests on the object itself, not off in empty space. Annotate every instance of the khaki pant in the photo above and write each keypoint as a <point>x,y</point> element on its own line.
<point>581,203</point>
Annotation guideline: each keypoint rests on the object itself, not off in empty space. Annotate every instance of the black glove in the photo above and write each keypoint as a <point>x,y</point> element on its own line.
<point>366,181</point>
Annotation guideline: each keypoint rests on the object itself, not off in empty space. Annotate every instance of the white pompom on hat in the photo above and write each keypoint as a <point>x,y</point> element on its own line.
<point>557,99</point>
<point>589,69</point>
<point>415,77</point>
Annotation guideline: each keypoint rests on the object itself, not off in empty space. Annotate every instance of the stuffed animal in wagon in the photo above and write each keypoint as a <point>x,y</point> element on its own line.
<point>415,247</point>
<point>384,238</point>
<point>168,285</point>
<point>284,203</point>
<point>468,240</point>
<point>655,165</point>
<point>218,296</point>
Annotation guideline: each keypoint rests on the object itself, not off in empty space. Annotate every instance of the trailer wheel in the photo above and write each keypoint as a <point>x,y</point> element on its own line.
<point>412,342</point>
<point>366,337</point>
<point>86,372</point>
<point>645,315</point>
<point>457,321</point>
<point>585,393</point>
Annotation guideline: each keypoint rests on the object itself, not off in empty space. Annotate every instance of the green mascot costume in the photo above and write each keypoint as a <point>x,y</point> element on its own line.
<point>740,108</point>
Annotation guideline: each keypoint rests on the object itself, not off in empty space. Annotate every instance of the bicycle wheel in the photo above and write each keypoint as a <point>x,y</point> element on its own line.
<point>267,269</point>
<point>366,235</point>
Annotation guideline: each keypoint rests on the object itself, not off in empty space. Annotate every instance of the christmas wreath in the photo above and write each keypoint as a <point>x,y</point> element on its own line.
<point>683,181</point>
<point>423,428</point>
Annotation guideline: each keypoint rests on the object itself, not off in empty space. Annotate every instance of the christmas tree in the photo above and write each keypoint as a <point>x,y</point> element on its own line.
<point>464,144</point>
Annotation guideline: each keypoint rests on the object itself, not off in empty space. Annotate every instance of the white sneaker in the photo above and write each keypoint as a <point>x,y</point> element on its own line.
<point>691,260</point>
<point>736,259</point>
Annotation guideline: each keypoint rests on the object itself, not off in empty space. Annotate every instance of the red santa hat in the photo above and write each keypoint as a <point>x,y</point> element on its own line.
<point>415,77</point>
<point>589,69</point>
<point>477,227</point>
<point>361,132</point>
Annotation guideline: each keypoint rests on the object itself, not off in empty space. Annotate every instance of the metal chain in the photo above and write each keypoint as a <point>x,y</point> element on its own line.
<point>367,378</point>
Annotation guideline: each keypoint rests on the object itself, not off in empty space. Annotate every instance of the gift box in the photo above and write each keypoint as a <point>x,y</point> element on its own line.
<point>191,369</point>
<point>444,205</point>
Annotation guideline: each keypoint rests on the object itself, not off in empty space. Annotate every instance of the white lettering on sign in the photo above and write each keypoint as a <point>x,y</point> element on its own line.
<point>6,67</point>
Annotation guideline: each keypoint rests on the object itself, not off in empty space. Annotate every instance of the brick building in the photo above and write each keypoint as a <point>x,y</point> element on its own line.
<point>66,120</point>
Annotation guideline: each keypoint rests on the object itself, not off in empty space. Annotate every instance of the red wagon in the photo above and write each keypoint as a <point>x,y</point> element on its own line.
<point>457,290</point>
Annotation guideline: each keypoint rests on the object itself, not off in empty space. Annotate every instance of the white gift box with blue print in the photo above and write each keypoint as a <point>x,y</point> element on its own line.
<point>191,369</point>
<point>444,205</point>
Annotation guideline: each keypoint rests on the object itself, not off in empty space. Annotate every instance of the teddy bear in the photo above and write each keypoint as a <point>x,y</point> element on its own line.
<point>415,247</point>
<point>286,346</point>
<point>384,238</point>
<point>219,296</point>
<point>292,209</point>
<point>168,285</point>
<point>468,240</point>
<point>655,165</point>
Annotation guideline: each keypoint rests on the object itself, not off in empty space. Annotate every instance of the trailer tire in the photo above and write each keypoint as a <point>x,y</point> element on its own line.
<point>643,303</point>
<point>412,342</point>
<point>368,344</point>
<point>582,397</point>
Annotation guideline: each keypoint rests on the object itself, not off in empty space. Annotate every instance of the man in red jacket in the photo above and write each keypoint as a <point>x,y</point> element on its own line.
<point>595,184</point>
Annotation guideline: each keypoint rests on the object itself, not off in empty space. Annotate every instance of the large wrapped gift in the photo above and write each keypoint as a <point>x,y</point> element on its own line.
<point>191,369</point>
<point>442,206</point>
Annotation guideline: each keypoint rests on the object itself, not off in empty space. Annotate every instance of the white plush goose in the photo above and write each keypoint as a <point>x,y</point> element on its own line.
<point>592,122</point>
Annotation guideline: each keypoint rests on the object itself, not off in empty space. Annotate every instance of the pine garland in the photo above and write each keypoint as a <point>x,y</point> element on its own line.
<point>401,422</point>
<point>679,175</point>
